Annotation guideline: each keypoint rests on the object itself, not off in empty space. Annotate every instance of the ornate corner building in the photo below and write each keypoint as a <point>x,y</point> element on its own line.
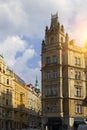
<point>64,80</point>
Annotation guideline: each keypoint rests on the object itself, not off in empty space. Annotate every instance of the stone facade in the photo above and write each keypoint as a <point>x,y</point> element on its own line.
<point>64,80</point>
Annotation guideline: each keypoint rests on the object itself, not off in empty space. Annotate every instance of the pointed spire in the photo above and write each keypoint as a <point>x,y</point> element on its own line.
<point>54,20</point>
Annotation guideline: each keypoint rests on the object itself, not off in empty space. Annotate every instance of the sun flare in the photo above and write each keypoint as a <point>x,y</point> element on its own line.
<point>80,33</point>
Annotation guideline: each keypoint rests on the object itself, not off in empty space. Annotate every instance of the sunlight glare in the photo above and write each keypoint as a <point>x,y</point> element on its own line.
<point>81,33</point>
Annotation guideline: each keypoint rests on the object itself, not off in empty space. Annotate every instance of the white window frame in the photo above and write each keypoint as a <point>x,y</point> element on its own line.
<point>77,75</point>
<point>78,91</point>
<point>77,61</point>
<point>78,108</point>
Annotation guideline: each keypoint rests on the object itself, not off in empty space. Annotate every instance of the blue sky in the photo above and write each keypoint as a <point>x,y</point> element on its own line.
<point>22,27</point>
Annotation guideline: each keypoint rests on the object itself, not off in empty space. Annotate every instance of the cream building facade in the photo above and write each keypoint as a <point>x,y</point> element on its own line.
<point>34,98</point>
<point>15,100</point>
<point>64,80</point>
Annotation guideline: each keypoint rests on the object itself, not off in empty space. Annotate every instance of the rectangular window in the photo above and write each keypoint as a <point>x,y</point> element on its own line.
<point>55,74</point>
<point>48,75</point>
<point>3,113</point>
<point>51,90</point>
<point>54,91</point>
<point>54,59</point>
<point>48,60</point>
<point>6,101</point>
<point>78,108</point>
<point>77,61</point>
<point>78,92</point>
<point>48,91</point>
<point>77,75</point>
<point>7,81</point>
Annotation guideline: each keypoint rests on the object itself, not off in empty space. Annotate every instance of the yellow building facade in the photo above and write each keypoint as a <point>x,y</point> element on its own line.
<point>15,100</point>
<point>64,80</point>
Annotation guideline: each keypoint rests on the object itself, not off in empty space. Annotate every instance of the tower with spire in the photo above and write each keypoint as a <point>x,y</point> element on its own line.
<point>36,85</point>
<point>64,70</point>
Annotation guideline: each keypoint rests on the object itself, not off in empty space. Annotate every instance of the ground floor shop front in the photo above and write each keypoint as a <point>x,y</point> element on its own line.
<point>57,123</point>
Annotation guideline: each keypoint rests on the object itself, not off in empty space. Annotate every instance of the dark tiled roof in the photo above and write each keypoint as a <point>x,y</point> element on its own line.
<point>19,80</point>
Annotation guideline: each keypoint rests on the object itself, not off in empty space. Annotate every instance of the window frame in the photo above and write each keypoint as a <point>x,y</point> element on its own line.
<point>48,60</point>
<point>54,59</point>
<point>78,91</point>
<point>48,75</point>
<point>77,75</point>
<point>77,61</point>
<point>55,74</point>
<point>78,109</point>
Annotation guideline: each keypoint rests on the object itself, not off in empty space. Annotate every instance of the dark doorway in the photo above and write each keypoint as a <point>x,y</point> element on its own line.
<point>6,125</point>
<point>54,123</point>
<point>55,127</point>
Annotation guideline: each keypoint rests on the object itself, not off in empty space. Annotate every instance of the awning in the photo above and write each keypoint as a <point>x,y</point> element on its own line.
<point>54,121</point>
<point>78,121</point>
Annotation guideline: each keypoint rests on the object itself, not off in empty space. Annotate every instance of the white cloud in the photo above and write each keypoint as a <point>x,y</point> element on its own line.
<point>13,19</point>
<point>23,17</point>
<point>21,62</point>
<point>39,63</point>
<point>21,68</point>
<point>9,48</point>
<point>29,18</point>
<point>29,75</point>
